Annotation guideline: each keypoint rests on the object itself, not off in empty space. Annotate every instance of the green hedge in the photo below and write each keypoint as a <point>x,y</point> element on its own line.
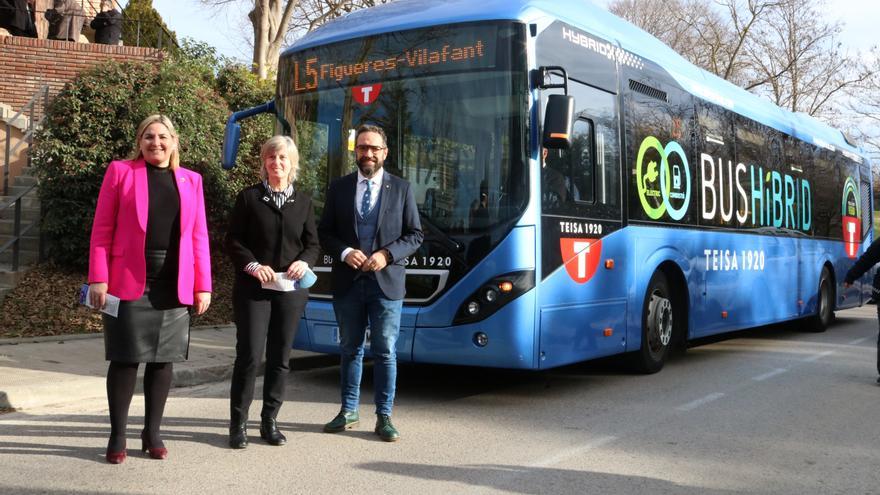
<point>94,121</point>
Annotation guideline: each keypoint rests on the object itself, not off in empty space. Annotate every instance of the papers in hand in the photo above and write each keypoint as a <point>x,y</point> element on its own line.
<point>111,302</point>
<point>285,284</point>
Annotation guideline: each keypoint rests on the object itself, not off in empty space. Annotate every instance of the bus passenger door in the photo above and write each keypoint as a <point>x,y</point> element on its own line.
<point>582,303</point>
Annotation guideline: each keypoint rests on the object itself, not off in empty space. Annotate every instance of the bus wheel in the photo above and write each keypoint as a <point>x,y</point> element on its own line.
<point>657,326</point>
<point>825,310</point>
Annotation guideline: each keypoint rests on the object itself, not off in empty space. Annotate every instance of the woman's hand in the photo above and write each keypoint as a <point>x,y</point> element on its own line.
<point>203,300</point>
<point>98,295</point>
<point>264,273</point>
<point>297,269</point>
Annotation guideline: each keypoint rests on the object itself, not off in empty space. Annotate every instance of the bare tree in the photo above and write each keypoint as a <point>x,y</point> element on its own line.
<point>785,50</point>
<point>275,21</point>
<point>863,105</point>
<point>799,63</point>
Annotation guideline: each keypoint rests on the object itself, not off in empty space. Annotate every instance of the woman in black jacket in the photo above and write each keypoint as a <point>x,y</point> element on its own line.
<point>271,235</point>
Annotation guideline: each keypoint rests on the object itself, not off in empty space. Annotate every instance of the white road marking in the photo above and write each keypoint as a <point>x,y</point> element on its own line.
<point>816,357</point>
<point>769,374</point>
<point>573,452</point>
<point>699,402</point>
<point>857,341</point>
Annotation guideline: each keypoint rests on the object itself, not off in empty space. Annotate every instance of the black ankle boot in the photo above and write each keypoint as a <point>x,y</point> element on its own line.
<point>238,435</point>
<point>269,432</point>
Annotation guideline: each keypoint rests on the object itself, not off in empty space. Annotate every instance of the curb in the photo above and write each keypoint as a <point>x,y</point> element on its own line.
<point>81,336</point>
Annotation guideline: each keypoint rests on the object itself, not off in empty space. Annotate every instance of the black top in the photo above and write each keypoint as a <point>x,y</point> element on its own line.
<point>163,221</point>
<point>260,231</point>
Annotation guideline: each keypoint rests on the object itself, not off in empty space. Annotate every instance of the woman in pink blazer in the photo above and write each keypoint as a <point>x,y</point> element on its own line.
<point>149,248</point>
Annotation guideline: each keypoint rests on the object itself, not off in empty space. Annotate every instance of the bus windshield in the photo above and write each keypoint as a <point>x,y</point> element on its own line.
<point>452,101</point>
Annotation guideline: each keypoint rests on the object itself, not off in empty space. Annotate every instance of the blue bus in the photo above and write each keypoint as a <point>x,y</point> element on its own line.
<point>584,190</point>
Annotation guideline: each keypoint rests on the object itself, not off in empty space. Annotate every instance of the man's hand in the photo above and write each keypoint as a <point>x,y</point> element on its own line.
<point>376,262</point>
<point>356,259</point>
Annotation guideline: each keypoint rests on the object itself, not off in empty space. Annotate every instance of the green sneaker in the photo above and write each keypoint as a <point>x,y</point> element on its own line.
<point>385,429</point>
<point>343,421</point>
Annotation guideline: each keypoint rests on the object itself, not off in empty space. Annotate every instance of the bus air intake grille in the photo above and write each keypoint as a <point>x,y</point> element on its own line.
<point>648,91</point>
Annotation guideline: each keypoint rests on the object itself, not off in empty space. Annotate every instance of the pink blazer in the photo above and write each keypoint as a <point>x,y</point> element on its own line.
<point>116,252</point>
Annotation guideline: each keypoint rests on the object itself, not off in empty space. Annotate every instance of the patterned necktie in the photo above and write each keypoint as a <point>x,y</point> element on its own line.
<point>365,202</point>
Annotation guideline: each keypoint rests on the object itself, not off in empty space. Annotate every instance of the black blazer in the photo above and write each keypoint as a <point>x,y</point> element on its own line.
<point>399,230</point>
<point>259,231</point>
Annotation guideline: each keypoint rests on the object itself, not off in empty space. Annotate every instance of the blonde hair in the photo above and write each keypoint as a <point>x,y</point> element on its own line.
<point>174,160</point>
<point>274,144</point>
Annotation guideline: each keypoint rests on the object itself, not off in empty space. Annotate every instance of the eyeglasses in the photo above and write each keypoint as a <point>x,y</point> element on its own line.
<point>363,148</point>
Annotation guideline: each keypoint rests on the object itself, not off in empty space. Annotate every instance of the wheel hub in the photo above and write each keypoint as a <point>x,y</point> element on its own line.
<point>659,322</point>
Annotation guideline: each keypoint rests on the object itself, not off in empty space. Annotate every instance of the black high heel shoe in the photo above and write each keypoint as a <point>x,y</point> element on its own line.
<point>155,452</point>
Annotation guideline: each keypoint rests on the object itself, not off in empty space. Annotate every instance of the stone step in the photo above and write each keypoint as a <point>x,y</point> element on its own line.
<point>28,172</point>
<point>9,278</point>
<point>7,228</point>
<point>15,190</point>
<point>28,201</point>
<point>28,242</point>
<point>24,180</point>
<point>3,292</point>
<point>27,214</point>
<point>26,257</point>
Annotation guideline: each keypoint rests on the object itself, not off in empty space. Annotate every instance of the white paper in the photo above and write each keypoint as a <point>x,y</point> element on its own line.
<point>111,302</point>
<point>281,283</point>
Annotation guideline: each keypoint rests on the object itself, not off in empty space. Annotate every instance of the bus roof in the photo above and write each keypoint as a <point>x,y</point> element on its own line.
<point>403,15</point>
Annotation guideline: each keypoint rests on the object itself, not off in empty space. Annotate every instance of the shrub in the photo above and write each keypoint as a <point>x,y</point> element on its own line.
<point>94,120</point>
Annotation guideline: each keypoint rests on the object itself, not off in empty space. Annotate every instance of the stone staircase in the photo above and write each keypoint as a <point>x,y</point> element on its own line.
<point>29,245</point>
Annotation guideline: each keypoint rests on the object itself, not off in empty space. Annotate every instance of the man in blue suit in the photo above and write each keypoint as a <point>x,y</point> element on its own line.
<point>370,225</point>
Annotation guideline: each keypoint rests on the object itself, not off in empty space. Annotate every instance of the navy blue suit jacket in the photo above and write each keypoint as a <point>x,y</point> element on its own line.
<point>399,230</point>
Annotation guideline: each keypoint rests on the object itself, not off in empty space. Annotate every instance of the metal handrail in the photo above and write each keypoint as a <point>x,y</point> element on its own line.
<point>17,231</point>
<point>44,90</point>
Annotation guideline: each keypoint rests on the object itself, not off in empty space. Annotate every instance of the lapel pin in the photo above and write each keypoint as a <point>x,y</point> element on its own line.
<point>265,198</point>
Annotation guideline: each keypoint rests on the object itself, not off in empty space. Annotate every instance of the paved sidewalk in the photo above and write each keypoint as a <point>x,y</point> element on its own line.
<point>55,370</point>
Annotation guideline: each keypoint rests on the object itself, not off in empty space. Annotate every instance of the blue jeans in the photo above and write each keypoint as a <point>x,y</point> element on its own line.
<point>365,304</point>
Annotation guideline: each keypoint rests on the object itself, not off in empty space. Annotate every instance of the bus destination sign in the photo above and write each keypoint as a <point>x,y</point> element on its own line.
<point>395,55</point>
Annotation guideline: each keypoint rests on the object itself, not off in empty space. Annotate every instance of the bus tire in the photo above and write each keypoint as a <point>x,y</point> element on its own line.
<point>824,304</point>
<point>658,323</point>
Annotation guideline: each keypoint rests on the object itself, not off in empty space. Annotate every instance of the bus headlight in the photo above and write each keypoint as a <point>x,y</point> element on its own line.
<point>473,307</point>
<point>493,295</point>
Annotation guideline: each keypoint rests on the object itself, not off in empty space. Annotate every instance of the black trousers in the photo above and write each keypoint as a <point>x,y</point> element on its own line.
<point>263,319</point>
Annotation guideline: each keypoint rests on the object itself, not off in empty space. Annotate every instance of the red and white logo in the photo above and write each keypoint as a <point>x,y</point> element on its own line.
<point>367,93</point>
<point>580,257</point>
<point>851,236</point>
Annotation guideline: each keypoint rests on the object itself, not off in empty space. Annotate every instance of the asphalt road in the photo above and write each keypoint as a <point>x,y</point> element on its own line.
<point>769,410</point>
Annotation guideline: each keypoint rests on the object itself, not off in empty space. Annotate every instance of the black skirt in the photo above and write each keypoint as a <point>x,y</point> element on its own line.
<point>153,328</point>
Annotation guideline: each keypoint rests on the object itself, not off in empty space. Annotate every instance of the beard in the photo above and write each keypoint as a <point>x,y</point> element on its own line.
<point>369,166</point>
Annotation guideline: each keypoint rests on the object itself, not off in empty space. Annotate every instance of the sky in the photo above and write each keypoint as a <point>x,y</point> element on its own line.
<point>228,30</point>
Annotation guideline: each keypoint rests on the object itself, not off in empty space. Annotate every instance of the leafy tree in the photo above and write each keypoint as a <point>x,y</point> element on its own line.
<point>143,26</point>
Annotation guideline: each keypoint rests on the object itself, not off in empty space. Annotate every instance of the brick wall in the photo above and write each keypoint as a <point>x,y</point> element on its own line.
<point>28,63</point>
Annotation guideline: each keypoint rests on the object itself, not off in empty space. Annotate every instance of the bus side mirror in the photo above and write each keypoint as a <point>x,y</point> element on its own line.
<point>230,143</point>
<point>558,122</point>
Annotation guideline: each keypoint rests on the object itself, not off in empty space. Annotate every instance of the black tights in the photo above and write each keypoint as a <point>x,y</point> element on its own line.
<point>121,378</point>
